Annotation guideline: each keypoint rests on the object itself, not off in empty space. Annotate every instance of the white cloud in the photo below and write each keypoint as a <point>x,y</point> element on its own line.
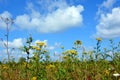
<point>51,5</point>
<point>16,43</point>
<point>57,20</point>
<point>4,15</point>
<point>109,25</point>
<point>51,47</point>
<point>59,16</point>
<point>107,5</point>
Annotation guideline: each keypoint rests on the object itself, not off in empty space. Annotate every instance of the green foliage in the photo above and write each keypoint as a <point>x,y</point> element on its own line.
<point>93,65</point>
<point>21,60</point>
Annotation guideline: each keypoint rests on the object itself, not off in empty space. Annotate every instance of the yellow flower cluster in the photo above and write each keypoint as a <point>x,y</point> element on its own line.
<point>50,66</point>
<point>35,47</point>
<point>65,57</point>
<point>98,39</point>
<point>72,52</point>
<point>40,44</point>
<point>5,66</point>
<point>106,72</point>
<point>34,78</point>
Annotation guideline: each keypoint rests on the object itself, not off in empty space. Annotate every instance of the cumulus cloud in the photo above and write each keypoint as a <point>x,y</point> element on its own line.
<point>51,5</point>
<point>107,5</point>
<point>16,43</point>
<point>13,48</point>
<point>57,19</point>
<point>109,25</point>
<point>59,15</point>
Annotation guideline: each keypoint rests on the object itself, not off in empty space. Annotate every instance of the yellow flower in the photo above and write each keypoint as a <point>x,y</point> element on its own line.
<point>38,48</point>
<point>65,57</point>
<point>50,66</point>
<point>40,44</point>
<point>78,42</point>
<point>35,47</point>
<point>24,64</point>
<point>45,51</point>
<point>73,52</point>
<point>34,78</point>
<point>106,72</point>
<point>98,39</point>
<point>5,67</point>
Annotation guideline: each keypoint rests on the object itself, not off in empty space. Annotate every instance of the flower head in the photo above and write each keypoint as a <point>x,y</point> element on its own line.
<point>99,39</point>
<point>107,72</point>
<point>116,74</point>
<point>40,44</point>
<point>50,66</point>
<point>78,42</point>
<point>35,47</point>
<point>34,78</point>
<point>38,48</point>
<point>5,67</point>
<point>65,57</point>
<point>73,52</point>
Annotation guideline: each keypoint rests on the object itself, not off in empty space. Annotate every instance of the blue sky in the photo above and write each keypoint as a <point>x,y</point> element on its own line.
<point>60,22</point>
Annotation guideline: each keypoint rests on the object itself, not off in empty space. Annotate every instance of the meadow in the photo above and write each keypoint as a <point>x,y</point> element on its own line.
<point>95,64</point>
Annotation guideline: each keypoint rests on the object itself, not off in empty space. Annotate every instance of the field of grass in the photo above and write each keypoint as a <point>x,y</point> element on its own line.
<point>92,65</point>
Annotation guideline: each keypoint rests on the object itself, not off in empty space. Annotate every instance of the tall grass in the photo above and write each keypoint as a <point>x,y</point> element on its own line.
<point>92,65</point>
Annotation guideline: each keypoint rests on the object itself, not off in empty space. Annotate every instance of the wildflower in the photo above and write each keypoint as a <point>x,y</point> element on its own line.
<point>98,39</point>
<point>34,78</point>
<point>106,72</point>
<point>5,66</point>
<point>73,52</point>
<point>24,64</point>
<point>65,57</point>
<point>35,47</point>
<point>44,51</point>
<point>40,44</point>
<point>84,52</point>
<point>116,74</point>
<point>50,66</point>
<point>111,69</point>
<point>78,42</point>
<point>38,48</point>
